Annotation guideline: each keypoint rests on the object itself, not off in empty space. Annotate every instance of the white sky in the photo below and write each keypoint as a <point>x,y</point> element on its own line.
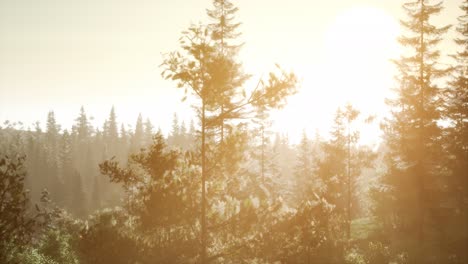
<point>61,54</point>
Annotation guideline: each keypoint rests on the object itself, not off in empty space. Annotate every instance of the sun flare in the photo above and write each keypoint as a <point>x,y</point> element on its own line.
<point>359,44</point>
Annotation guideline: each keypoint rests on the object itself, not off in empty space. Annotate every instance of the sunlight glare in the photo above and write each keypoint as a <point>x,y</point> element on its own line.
<point>359,44</point>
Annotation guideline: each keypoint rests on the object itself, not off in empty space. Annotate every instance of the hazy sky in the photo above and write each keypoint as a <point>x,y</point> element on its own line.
<point>61,54</point>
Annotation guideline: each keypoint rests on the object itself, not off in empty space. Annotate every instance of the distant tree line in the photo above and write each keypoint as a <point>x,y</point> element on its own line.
<point>65,162</point>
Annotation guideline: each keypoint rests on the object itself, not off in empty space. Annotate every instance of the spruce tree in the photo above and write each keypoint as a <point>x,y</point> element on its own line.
<point>82,126</point>
<point>456,132</point>
<point>412,133</point>
<point>137,137</point>
<point>174,136</point>
<point>456,111</point>
<point>303,170</point>
<point>148,133</point>
<point>224,32</point>
<point>54,181</point>
<point>341,165</point>
<point>111,134</point>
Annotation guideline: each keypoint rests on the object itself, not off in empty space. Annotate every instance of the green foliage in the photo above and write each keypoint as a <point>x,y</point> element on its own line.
<point>162,200</point>
<point>16,224</point>
<point>57,245</point>
<point>108,238</point>
<point>33,256</point>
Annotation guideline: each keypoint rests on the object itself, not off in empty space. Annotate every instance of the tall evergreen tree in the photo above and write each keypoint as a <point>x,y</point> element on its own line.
<point>340,167</point>
<point>137,137</point>
<point>303,170</point>
<point>456,132</point>
<point>456,111</point>
<point>148,133</point>
<point>174,135</point>
<point>223,33</point>
<point>208,73</point>
<point>82,125</point>
<point>412,133</point>
<point>52,130</point>
<point>51,144</point>
<point>111,134</point>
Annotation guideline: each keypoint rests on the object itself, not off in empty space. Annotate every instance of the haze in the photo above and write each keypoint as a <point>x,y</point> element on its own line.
<point>60,55</point>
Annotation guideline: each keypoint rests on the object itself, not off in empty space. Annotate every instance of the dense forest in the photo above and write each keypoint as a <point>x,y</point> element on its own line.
<point>226,188</point>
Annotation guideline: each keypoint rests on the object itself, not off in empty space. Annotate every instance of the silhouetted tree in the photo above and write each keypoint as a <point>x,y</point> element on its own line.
<point>303,170</point>
<point>82,126</point>
<point>137,137</point>
<point>456,133</point>
<point>339,168</point>
<point>111,134</point>
<point>148,133</point>
<point>412,133</point>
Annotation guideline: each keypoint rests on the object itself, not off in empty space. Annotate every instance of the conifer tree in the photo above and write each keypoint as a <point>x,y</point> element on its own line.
<point>341,165</point>
<point>111,134</point>
<point>412,133</point>
<point>223,32</point>
<point>456,111</point>
<point>174,135</point>
<point>51,144</point>
<point>456,132</point>
<point>303,170</point>
<point>137,137</point>
<point>202,68</point>
<point>82,125</point>
<point>52,131</point>
<point>148,133</point>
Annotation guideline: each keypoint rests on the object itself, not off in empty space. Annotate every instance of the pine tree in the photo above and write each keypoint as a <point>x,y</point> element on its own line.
<point>341,165</point>
<point>82,126</point>
<point>52,130</point>
<point>456,111</point>
<point>203,69</point>
<point>137,137</point>
<point>303,170</point>
<point>148,133</point>
<point>54,181</point>
<point>223,31</point>
<point>111,134</point>
<point>174,136</point>
<point>456,132</point>
<point>412,133</point>
<point>183,135</point>
<point>223,28</point>
<point>66,155</point>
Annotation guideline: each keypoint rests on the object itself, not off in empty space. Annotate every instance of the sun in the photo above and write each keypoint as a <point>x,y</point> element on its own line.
<point>359,45</point>
<point>356,68</point>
